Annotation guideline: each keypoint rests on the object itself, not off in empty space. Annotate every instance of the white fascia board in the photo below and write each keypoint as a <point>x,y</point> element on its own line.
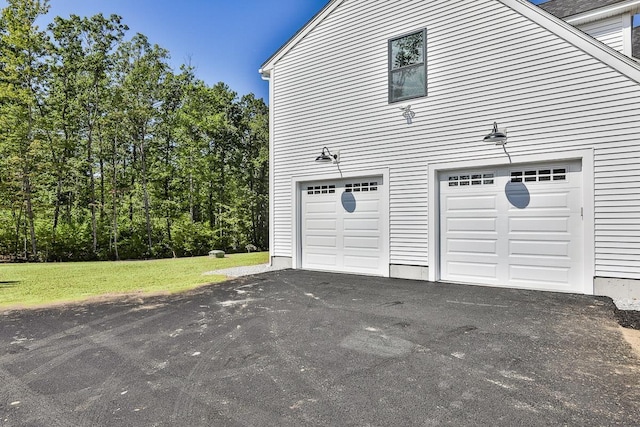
<point>607,55</point>
<point>631,6</point>
<point>266,68</point>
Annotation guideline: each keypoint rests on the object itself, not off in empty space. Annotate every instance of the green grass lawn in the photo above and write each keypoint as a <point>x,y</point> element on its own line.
<point>31,285</point>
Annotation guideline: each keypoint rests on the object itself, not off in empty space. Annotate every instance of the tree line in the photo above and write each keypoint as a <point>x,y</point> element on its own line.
<point>108,153</point>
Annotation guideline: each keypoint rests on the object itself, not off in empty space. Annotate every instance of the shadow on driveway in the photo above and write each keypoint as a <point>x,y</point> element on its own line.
<point>291,348</point>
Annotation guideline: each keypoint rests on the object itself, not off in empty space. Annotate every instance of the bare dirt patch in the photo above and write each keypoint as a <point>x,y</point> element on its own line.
<point>633,338</point>
<point>134,298</point>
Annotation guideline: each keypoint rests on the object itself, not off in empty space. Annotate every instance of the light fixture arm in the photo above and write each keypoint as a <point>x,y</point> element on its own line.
<point>504,147</point>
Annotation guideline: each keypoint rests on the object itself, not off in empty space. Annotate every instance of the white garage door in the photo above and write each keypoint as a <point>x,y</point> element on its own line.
<point>344,226</point>
<point>517,226</point>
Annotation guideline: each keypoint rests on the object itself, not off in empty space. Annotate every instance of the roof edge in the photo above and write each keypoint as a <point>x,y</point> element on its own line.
<point>616,60</point>
<point>631,6</point>
<point>267,66</point>
<point>609,56</point>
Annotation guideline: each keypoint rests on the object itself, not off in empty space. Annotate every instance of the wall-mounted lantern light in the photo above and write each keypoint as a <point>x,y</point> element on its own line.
<point>496,136</point>
<point>328,157</point>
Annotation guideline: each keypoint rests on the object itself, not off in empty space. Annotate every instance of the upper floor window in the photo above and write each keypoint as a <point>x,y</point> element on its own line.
<point>407,66</point>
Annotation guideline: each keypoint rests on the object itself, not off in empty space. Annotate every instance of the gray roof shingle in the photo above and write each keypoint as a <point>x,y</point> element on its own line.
<point>564,8</point>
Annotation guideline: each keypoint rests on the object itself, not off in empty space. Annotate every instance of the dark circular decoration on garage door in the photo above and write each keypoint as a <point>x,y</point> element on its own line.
<point>348,202</point>
<point>518,194</point>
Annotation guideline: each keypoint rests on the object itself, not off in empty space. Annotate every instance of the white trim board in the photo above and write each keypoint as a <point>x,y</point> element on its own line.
<point>272,239</point>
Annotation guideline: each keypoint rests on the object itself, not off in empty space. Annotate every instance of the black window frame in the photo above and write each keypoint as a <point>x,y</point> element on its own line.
<point>391,70</point>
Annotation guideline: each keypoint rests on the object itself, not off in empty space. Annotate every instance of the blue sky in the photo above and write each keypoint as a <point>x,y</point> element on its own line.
<point>225,40</point>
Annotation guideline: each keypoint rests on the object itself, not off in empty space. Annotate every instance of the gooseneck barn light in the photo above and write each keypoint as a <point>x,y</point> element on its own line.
<point>496,136</point>
<point>328,157</point>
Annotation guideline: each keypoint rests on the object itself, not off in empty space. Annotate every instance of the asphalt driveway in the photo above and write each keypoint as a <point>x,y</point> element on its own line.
<point>292,348</point>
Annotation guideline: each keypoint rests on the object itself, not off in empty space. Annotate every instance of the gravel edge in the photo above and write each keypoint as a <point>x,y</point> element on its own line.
<point>244,271</point>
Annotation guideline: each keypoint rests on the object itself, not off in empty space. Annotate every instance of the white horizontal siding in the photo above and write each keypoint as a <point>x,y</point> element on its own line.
<point>609,31</point>
<point>331,90</point>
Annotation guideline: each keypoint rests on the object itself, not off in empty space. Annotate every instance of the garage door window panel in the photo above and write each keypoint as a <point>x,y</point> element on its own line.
<point>321,189</point>
<point>471,180</point>
<point>539,175</point>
